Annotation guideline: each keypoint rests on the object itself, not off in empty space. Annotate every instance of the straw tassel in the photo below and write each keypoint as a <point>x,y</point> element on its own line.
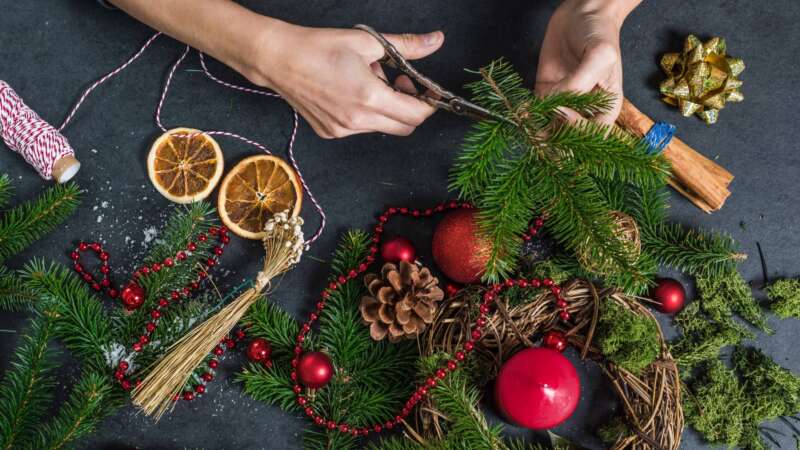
<point>284,245</point>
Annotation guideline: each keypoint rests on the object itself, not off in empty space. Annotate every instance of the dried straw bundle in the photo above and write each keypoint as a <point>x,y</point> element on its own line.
<point>650,400</point>
<point>284,245</point>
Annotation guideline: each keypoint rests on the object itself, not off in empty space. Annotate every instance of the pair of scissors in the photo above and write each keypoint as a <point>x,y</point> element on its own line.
<point>433,94</point>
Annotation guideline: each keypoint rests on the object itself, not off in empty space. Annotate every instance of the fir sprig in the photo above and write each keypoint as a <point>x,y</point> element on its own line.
<point>5,189</point>
<point>21,226</point>
<point>27,387</point>
<point>13,294</point>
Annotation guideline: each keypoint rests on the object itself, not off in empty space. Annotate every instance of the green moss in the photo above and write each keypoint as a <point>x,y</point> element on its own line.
<point>773,390</point>
<point>626,339</point>
<point>701,339</point>
<point>612,431</point>
<point>724,295</point>
<point>715,407</point>
<point>785,297</point>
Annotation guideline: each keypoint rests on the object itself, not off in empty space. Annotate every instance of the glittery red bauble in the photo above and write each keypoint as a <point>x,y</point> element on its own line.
<point>314,369</point>
<point>132,296</point>
<point>259,350</point>
<point>537,388</point>
<point>458,250</point>
<point>669,294</point>
<point>555,340</point>
<point>398,249</point>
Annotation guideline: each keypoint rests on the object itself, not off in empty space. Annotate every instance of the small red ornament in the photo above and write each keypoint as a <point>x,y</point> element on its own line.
<point>314,369</point>
<point>132,296</point>
<point>537,388</point>
<point>398,249</point>
<point>259,350</point>
<point>555,340</point>
<point>669,294</point>
<point>458,250</point>
<point>452,289</point>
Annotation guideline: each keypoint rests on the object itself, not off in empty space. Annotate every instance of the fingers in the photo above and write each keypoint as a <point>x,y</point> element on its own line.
<point>416,46</point>
<point>595,65</point>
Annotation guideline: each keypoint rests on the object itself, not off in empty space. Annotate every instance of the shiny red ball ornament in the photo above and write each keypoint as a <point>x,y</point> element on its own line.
<point>555,340</point>
<point>132,296</point>
<point>537,388</point>
<point>314,370</point>
<point>398,249</point>
<point>458,249</point>
<point>259,350</point>
<point>670,295</point>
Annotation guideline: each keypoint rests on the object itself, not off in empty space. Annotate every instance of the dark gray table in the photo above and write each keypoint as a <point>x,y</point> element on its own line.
<point>50,50</point>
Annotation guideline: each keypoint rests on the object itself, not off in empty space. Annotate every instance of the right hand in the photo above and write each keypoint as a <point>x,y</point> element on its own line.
<point>332,78</point>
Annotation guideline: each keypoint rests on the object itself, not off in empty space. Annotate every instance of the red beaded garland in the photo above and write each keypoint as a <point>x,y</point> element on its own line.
<point>459,356</point>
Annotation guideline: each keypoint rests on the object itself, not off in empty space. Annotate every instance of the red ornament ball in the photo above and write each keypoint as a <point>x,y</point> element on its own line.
<point>132,296</point>
<point>398,249</point>
<point>458,249</point>
<point>555,340</point>
<point>537,388</point>
<point>259,350</point>
<point>669,294</point>
<point>314,369</point>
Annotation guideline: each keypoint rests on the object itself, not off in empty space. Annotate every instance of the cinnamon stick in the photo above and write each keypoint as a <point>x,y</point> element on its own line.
<point>701,180</point>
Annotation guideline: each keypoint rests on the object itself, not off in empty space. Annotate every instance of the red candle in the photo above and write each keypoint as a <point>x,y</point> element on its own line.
<point>537,388</point>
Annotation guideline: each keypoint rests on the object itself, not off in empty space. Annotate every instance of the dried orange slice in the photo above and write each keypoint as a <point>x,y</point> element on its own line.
<point>254,190</point>
<point>185,169</point>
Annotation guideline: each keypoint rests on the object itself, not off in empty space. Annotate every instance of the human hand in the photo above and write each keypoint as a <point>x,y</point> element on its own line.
<point>580,51</point>
<point>332,78</point>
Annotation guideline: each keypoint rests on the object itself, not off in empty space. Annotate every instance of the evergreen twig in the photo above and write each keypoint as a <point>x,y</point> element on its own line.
<point>13,294</point>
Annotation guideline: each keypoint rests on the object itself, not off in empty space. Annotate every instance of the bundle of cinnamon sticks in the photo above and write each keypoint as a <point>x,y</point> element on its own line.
<point>702,181</point>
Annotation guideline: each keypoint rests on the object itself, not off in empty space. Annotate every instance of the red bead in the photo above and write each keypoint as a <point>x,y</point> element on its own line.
<point>113,293</point>
<point>104,270</point>
<point>75,256</point>
<point>564,315</point>
<point>213,363</point>
<point>96,246</point>
<point>362,267</point>
<point>547,282</point>
<point>191,247</point>
<point>126,384</point>
<point>230,343</point>
<point>78,268</point>
<point>452,289</point>
<point>200,389</point>
<point>218,251</point>
<point>225,239</point>
<point>431,382</point>
<point>119,374</point>
<point>460,355</point>
<point>452,365</point>
<point>344,428</point>
<point>309,412</point>
<point>211,262</point>
<point>195,285</point>
<point>319,420</point>
<point>484,309</point>
<point>162,302</point>
<point>223,229</point>
<point>96,286</point>
<point>213,231</point>
<point>523,283</point>
<point>333,286</point>
<point>145,270</point>
<point>144,340</point>
<point>555,290</point>
<point>169,262</point>
<point>207,377</point>
<point>509,283</point>
<point>476,334</point>
<point>188,396</point>
<point>331,425</point>
<point>137,347</point>
<point>481,322</point>
<point>155,314</point>
<point>302,401</point>
<point>342,279</point>
<point>156,267</point>
<point>181,256</point>
<point>123,365</point>
<point>202,237</point>
<point>83,246</point>
<point>538,222</point>
<point>104,256</point>
<point>202,275</point>
<point>176,397</point>
<point>297,389</point>
<point>352,274</point>
<point>468,346</point>
<point>87,277</point>
<point>174,295</point>
<point>536,282</point>
<point>218,351</point>
<point>555,340</point>
<point>441,373</point>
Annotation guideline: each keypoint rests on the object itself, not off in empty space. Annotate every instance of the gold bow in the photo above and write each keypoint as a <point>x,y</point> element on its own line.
<point>702,78</point>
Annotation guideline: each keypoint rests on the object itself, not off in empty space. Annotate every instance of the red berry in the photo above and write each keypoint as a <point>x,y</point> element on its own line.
<point>123,365</point>
<point>137,347</point>
<point>213,363</point>
<point>119,374</point>
<point>191,247</point>
<point>207,377</point>
<point>155,314</point>
<point>169,262</point>
<point>104,256</point>
<point>75,256</point>
<point>188,396</point>
<point>126,384</point>
<point>202,237</point>
<point>83,246</point>
<point>200,389</point>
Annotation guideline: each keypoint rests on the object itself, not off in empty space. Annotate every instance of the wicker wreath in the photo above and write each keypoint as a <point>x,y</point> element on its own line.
<point>651,400</point>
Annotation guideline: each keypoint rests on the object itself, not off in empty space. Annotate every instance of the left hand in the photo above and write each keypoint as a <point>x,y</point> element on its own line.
<point>580,51</point>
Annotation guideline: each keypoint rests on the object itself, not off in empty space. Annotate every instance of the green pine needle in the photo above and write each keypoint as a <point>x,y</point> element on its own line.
<point>13,294</point>
<point>27,387</point>
<point>21,226</point>
<point>5,189</point>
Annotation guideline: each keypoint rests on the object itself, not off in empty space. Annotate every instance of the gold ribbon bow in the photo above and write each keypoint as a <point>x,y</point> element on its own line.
<point>702,78</point>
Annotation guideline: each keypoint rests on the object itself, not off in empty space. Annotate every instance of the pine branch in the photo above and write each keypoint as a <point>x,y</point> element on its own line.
<point>269,321</point>
<point>77,314</point>
<point>92,399</point>
<point>351,251</point>
<point>482,151</point>
<point>271,386</point>
<point>27,387</point>
<point>5,189</point>
<point>13,294</point>
<point>24,224</point>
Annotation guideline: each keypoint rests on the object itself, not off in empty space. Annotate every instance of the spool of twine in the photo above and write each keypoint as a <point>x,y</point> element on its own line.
<point>38,142</point>
<point>627,231</point>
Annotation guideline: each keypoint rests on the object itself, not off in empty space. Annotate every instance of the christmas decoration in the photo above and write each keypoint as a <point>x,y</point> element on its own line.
<point>284,245</point>
<point>185,165</point>
<point>537,388</point>
<point>669,295</point>
<point>248,201</point>
<point>38,142</point>
<point>398,249</point>
<point>702,78</point>
<point>314,370</point>
<point>627,339</point>
<point>555,340</point>
<point>451,289</point>
<point>701,180</point>
<point>259,350</point>
<point>628,234</point>
<point>132,296</point>
<point>458,249</point>
<point>402,301</point>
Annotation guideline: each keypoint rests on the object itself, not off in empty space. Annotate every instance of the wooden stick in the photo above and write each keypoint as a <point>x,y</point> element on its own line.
<point>702,181</point>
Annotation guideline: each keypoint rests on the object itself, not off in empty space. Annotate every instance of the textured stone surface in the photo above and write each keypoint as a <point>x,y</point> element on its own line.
<point>50,50</point>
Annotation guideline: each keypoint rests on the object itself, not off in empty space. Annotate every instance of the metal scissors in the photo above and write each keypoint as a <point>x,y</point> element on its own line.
<point>434,95</point>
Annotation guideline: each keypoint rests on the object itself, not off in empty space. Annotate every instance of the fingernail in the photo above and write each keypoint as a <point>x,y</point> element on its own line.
<point>431,38</point>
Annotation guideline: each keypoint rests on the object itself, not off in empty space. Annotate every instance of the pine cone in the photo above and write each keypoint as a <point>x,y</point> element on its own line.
<point>401,302</point>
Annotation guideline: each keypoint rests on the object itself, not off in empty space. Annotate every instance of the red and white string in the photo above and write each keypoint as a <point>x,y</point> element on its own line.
<point>24,132</point>
<point>163,97</point>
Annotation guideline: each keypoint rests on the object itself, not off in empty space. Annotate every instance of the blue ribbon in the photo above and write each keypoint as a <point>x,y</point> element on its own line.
<point>659,136</point>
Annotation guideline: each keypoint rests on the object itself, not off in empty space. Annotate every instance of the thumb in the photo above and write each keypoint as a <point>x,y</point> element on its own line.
<point>416,46</point>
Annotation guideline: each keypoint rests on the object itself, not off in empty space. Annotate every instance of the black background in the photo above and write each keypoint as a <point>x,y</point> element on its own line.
<point>50,50</point>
